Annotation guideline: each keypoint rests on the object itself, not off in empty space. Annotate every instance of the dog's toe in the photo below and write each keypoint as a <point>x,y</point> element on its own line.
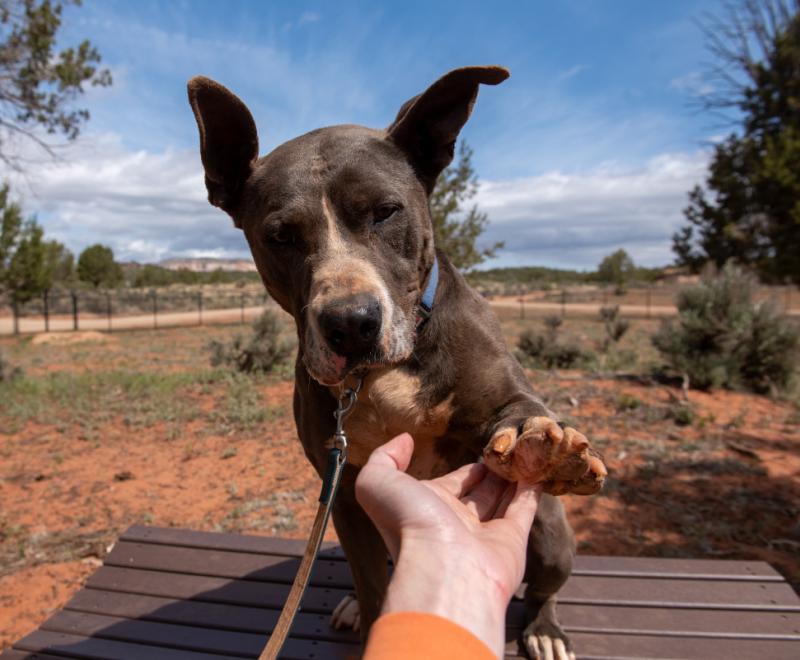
<point>544,647</point>
<point>346,614</point>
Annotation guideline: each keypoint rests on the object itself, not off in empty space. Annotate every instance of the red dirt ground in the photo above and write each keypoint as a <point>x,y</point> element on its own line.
<point>727,485</point>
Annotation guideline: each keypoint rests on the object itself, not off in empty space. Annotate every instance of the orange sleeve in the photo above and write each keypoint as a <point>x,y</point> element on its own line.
<point>403,635</point>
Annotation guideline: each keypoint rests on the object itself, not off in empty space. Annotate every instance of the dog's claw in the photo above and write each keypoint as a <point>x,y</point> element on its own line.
<point>346,614</point>
<point>561,459</point>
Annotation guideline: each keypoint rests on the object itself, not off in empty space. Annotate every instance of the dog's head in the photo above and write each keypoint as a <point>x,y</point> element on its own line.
<point>337,219</point>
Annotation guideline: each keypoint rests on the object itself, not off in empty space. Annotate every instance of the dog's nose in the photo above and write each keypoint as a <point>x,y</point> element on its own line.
<point>351,326</point>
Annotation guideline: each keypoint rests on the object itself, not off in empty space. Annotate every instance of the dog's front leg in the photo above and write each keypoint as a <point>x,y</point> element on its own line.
<point>367,556</point>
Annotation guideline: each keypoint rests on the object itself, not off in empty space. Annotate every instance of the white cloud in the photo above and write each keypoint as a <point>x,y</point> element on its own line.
<point>573,220</point>
<point>694,83</point>
<point>308,17</point>
<point>145,205</point>
<point>149,206</point>
<point>571,72</point>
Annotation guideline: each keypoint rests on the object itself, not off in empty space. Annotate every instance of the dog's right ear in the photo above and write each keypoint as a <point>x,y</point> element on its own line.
<point>228,140</point>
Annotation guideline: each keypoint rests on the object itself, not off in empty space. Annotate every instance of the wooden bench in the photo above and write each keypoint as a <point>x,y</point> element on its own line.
<point>172,594</point>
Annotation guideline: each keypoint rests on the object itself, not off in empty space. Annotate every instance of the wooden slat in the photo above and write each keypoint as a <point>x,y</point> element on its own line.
<point>584,565</point>
<point>210,589</point>
<point>575,618</point>
<point>14,654</point>
<point>269,545</point>
<point>680,622</point>
<point>626,647</point>
<point>74,646</point>
<point>221,563</point>
<point>210,615</point>
<point>668,568</point>
<point>649,592</point>
<point>188,638</point>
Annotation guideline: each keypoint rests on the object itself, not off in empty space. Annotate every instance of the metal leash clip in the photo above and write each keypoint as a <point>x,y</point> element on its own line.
<point>337,456</point>
<point>347,400</point>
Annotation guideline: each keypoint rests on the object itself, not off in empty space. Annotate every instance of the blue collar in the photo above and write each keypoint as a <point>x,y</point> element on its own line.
<point>426,303</point>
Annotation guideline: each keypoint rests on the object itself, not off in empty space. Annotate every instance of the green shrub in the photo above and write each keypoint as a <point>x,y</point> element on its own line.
<point>264,350</point>
<point>724,339</point>
<point>545,350</point>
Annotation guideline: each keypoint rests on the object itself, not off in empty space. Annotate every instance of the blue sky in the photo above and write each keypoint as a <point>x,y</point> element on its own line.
<point>589,146</point>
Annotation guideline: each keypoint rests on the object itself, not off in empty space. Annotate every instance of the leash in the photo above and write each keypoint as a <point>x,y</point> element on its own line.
<point>337,457</point>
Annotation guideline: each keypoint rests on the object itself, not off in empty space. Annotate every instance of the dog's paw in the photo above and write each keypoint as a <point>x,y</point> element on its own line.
<point>540,451</point>
<point>346,614</point>
<point>544,639</point>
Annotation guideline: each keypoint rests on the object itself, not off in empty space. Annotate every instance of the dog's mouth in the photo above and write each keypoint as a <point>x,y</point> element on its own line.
<point>338,367</point>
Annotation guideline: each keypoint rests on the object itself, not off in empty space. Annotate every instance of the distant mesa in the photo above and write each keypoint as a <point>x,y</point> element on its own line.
<point>209,264</point>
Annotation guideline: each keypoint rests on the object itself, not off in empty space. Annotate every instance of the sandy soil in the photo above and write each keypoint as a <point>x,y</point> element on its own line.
<point>725,485</point>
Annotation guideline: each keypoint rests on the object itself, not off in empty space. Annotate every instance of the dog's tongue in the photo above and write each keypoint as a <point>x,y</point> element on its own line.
<point>340,363</point>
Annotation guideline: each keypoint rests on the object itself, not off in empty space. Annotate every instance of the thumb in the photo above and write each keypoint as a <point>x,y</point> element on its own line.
<point>383,464</point>
<point>398,451</point>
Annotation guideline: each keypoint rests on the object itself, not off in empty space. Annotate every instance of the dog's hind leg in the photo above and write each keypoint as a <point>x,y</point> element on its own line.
<point>367,556</point>
<point>551,548</point>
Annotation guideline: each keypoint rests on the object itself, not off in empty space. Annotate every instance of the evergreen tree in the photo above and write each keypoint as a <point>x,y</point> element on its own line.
<point>749,210</point>
<point>456,230</point>
<point>617,268</point>
<point>39,82</point>
<point>97,267</point>
<point>28,273</point>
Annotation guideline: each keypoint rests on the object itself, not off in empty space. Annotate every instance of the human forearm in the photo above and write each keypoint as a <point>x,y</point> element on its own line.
<point>447,583</point>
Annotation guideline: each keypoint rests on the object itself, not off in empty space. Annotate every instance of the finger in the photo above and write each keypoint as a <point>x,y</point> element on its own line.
<point>482,500</point>
<point>522,507</point>
<point>502,505</point>
<point>384,463</point>
<point>398,450</point>
<point>463,480</point>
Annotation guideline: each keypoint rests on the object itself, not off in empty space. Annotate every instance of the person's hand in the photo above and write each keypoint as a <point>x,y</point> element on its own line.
<point>458,542</point>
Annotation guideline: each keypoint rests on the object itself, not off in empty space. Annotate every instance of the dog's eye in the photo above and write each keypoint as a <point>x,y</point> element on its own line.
<point>384,212</point>
<point>282,236</point>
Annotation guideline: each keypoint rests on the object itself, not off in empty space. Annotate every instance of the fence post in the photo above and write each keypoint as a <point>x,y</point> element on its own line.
<point>15,313</point>
<point>46,309</point>
<point>788,299</point>
<point>563,303</point>
<point>521,307</point>
<point>108,310</point>
<point>200,308</point>
<point>648,300</point>
<point>155,308</point>
<point>241,303</point>
<point>74,310</point>
<point>605,296</point>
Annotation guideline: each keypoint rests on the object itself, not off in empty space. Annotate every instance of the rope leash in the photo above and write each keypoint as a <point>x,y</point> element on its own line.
<point>337,457</point>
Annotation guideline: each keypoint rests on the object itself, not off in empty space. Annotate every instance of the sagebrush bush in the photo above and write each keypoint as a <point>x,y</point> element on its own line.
<point>723,338</point>
<point>545,350</point>
<point>8,372</point>
<point>263,350</point>
<point>615,325</point>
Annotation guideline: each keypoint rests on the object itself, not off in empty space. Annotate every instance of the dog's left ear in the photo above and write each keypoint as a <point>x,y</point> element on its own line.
<point>427,125</point>
<point>228,140</point>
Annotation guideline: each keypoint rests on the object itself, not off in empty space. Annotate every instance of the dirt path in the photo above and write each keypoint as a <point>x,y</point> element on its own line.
<point>169,319</point>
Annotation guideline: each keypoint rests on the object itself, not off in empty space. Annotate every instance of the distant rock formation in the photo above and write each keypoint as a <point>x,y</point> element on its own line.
<point>209,264</point>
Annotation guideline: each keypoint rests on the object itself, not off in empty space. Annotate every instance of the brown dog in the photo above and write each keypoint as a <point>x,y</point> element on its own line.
<point>339,227</point>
